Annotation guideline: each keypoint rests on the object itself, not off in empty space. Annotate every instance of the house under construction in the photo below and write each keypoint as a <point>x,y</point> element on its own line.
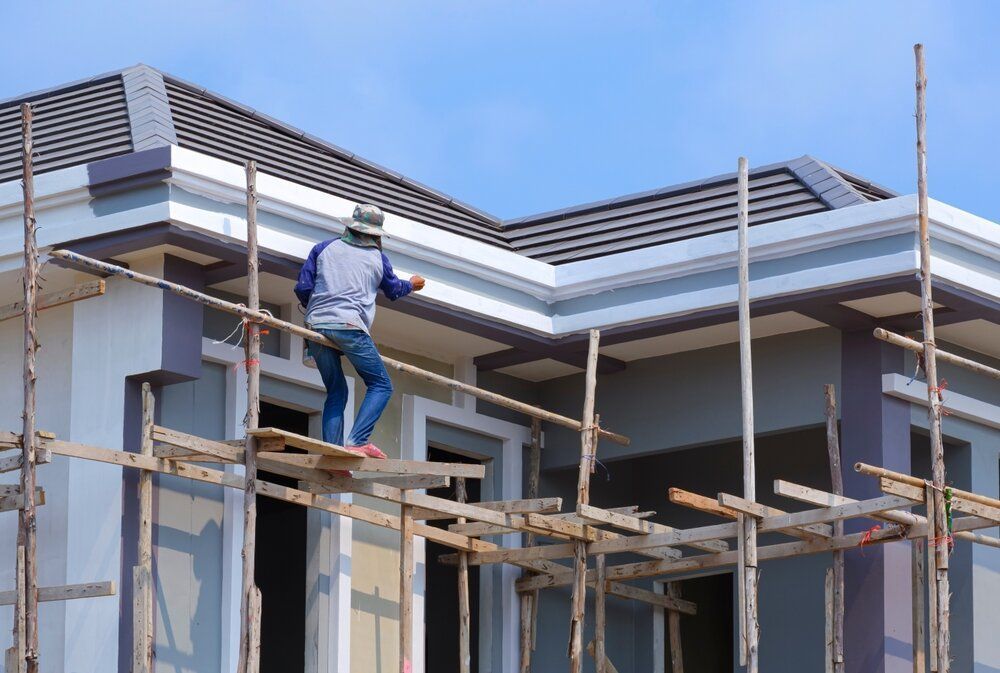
<point>568,433</point>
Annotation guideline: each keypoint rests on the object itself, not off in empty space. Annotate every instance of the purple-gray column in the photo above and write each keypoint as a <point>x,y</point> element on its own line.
<point>875,429</point>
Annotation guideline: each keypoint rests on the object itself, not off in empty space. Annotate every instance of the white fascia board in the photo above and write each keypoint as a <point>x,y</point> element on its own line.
<point>962,406</point>
<point>226,182</point>
<point>717,297</point>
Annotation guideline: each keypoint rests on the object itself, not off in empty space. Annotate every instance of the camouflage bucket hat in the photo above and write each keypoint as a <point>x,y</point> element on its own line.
<point>367,219</point>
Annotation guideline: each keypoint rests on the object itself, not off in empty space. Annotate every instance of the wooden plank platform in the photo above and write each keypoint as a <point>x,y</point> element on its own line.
<point>307,444</point>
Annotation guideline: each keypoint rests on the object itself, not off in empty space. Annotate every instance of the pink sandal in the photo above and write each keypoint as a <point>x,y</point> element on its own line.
<point>369,450</point>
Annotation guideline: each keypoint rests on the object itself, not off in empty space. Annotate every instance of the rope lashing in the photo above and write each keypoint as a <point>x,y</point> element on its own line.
<point>597,461</point>
<point>867,538</point>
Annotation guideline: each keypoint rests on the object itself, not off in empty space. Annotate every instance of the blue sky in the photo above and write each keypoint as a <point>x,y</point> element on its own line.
<point>521,107</point>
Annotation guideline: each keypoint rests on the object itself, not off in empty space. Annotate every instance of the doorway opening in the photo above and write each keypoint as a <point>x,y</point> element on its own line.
<point>441,597</point>
<point>713,594</point>
<point>280,559</point>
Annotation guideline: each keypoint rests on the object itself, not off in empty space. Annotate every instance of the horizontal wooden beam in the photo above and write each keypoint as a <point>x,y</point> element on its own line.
<point>636,525</point>
<point>82,261</point>
<point>644,595</point>
<point>93,288</point>
<point>944,356</point>
<point>763,511</point>
<point>509,506</point>
<point>958,504</point>
<point>630,571</point>
<point>382,465</point>
<point>65,592</point>
<point>193,444</point>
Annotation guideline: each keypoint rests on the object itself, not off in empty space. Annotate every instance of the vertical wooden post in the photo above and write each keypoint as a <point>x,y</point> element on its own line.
<point>600,616</point>
<point>837,486</point>
<point>464,609</point>
<point>28,526</point>
<point>932,596</point>
<point>917,578</point>
<point>940,524</point>
<point>534,478</point>
<point>588,454</point>
<point>829,612</point>
<point>529,601</point>
<point>749,532</point>
<point>142,589</point>
<point>14,660</point>
<point>405,589</point>
<point>252,363</point>
<point>674,631</point>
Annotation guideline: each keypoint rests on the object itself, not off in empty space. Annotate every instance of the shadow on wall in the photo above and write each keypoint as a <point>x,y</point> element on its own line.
<point>184,653</point>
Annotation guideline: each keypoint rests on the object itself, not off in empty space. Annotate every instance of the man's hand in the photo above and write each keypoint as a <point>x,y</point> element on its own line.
<point>417,282</point>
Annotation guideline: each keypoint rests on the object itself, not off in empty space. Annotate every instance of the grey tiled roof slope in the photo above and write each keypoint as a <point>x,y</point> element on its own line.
<point>139,107</point>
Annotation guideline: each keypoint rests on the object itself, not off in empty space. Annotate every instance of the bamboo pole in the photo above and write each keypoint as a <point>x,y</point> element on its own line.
<point>142,589</point>
<point>252,364</point>
<point>464,610</point>
<point>943,356</point>
<point>932,610</point>
<point>270,321</point>
<point>837,487</point>
<point>674,630</point>
<point>529,600</point>
<point>600,614</point>
<point>15,662</point>
<point>829,612</point>
<point>28,525</point>
<point>930,368</point>
<point>749,532</point>
<point>917,579</point>
<point>910,480</point>
<point>405,589</point>
<point>588,455</point>
<point>534,478</point>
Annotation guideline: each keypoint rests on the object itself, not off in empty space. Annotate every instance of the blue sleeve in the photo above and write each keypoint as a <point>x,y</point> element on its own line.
<point>392,286</point>
<point>307,275</point>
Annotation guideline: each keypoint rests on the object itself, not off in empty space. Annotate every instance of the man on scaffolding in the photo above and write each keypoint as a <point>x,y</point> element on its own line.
<point>337,287</point>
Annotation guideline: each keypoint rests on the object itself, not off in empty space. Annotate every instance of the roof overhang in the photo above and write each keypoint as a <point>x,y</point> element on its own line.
<point>821,254</point>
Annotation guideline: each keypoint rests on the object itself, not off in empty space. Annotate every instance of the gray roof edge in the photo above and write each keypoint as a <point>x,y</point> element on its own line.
<point>842,189</point>
<point>348,156</point>
<point>156,130</point>
<point>61,88</point>
<point>888,193</point>
<point>670,190</point>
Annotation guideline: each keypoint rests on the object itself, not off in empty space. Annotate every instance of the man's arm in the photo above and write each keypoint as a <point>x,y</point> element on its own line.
<point>394,287</point>
<point>307,275</point>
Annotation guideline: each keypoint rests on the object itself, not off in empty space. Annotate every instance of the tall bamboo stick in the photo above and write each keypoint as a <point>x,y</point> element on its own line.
<point>917,579</point>
<point>930,368</point>
<point>673,589</point>
<point>464,609</point>
<point>837,486</point>
<point>28,525</point>
<point>588,455</point>
<point>252,363</point>
<point>405,589</point>
<point>529,600</point>
<point>600,614</point>
<point>749,533</point>
<point>142,618</point>
<point>270,321</point>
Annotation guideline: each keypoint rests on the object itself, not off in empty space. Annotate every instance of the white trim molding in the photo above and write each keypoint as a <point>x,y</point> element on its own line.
<point>417,411</point>
<point>956,404</point>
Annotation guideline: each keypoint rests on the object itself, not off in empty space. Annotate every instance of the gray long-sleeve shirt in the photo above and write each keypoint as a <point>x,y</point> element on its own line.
<point>339,281</point>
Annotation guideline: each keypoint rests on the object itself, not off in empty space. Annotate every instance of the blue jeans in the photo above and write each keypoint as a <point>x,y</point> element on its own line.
<point>361,352</point>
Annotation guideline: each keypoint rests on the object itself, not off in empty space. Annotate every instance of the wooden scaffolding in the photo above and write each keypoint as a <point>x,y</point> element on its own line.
<point>584,536</point>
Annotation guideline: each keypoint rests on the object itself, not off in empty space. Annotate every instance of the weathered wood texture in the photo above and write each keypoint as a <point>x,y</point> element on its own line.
<point>252,365</point>
<point>600,613</point>
<point>673,590</point>
<point>142,586</point>
<point>464,609</point>
<point>750,635</point>
<point>930,370</point>
<point>405,590</point>
<point>588,456</point>
<point>27,529</point>
<point>918,580</point>
<point>270,321</point>
<point>837,571</point>
<point>943,356</point>
<point>92,288</point>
